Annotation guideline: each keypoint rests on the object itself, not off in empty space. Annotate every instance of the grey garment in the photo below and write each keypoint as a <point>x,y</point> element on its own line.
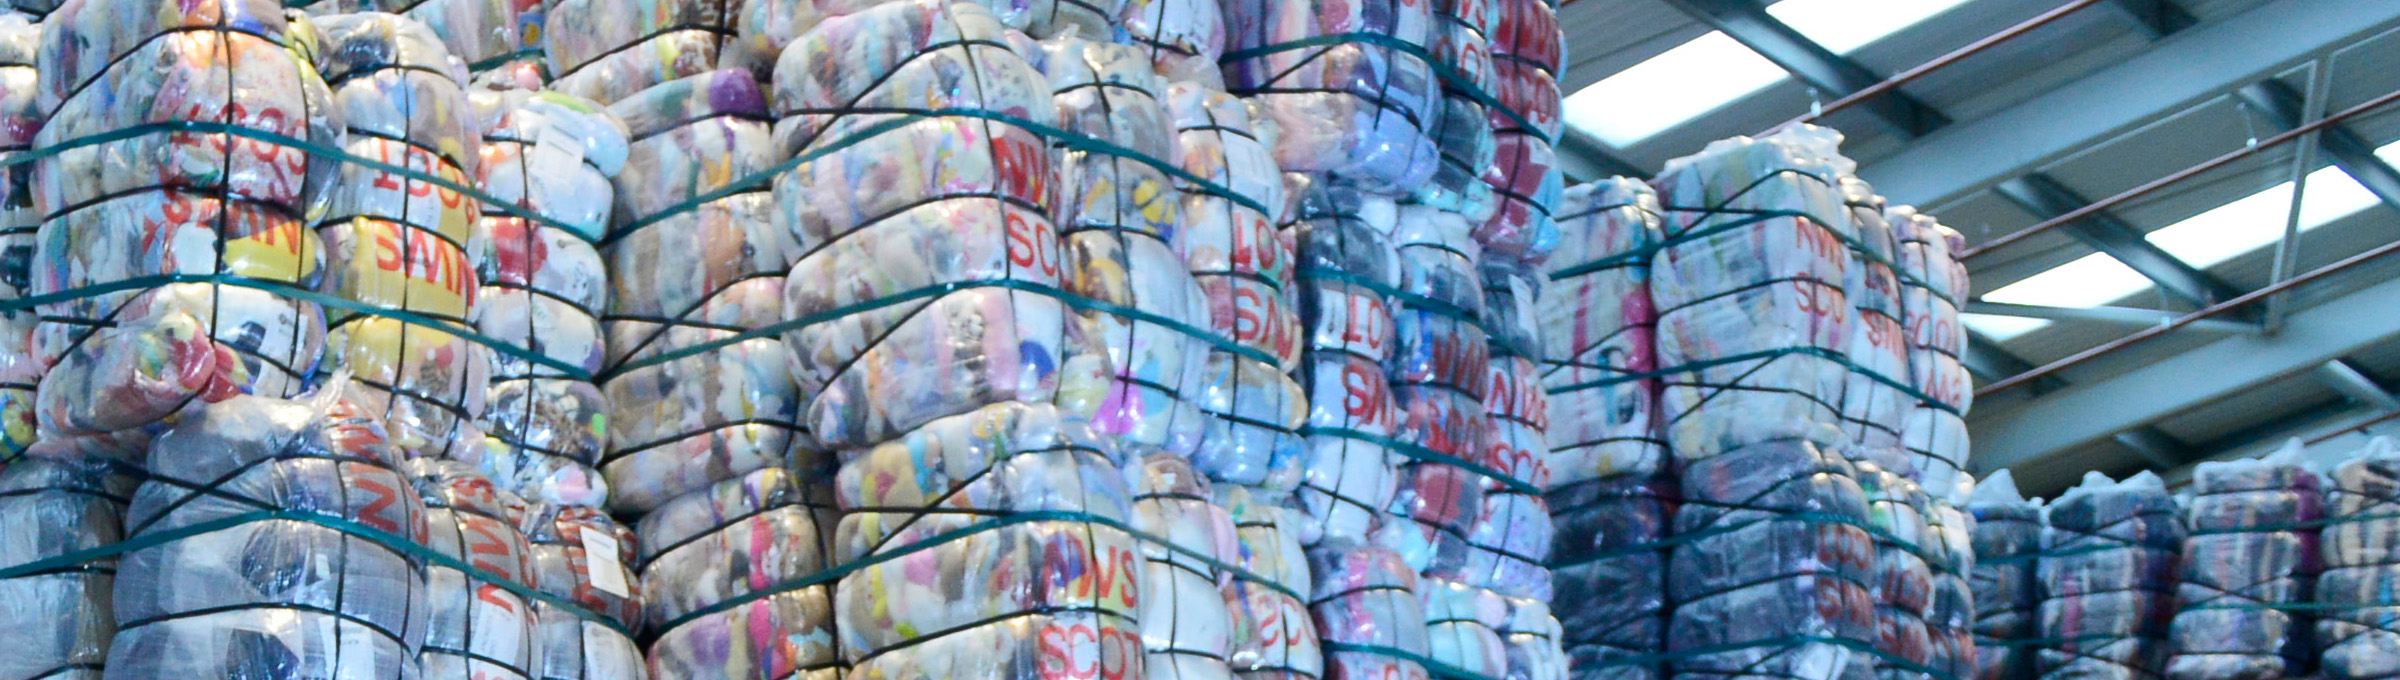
<point>1611,574</point>
<point>48,508</point>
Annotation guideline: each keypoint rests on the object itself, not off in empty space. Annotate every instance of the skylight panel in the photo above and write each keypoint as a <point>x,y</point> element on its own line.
<point>2090,281</point>
<point>1676,86</point>
<point>2001,328</point>
<point>1845,25</point>
<point>2256,221</point>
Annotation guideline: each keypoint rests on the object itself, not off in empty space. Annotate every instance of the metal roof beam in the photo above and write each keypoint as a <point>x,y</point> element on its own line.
<point>2204,61</point>
<point>2159,18</point>
<point>1833,76</point>
<point>2355,384</point>
<point>2037,193</point>
<point>2089,411</point>
<point>1990,361</point>
<point>1584,158</point>
<point>2353,154</point>
<point>2122,316</point>
<point>2155,446</point>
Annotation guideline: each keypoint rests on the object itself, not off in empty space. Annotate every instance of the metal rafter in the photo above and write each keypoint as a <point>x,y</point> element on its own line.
<point>2159,18</point>
<point>1833,76</point>
<point>2353,154</point>
<point>1988,360</point>
<point>1584,158</point>
<point>2046,199</point>
<point>2356,385</point>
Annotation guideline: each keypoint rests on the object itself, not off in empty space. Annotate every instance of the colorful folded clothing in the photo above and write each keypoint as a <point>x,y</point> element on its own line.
<point>52,507</point>
<point>272,598</point>
<point>1440,364</point>
<point>1532,637</point>
<point>1874,404</point>
<point>608,50</point>
<point>578,553</point>
<point>1366,599</point>
<point>1508,547</point>
<point>1609,560</point>
<point>1750,290</point>
<point>1186,617</point>
<point>1932,281</point>
<point>1354,113</point>
<point>1951,622</point>
<point>1903,581</point>
<point>1461,135</point>
<point>20,118</point>
<point>1526,187</point>
<point>1347,269</point>
<point>1772,580</point>
<point>2007,541</point>
<point>2250,560</point>
<point>2108,579</point>
<point>477,629</point>
<point>714,567</point>
<point>2356,612</point>
<point>1274,637</point>
<point>1598,330</point>
<point>1184,38</point>
<point>690,406</point>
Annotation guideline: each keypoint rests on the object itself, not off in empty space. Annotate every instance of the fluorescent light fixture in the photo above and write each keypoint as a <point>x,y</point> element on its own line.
<point>2256,221</point>
<point>1678,85</point>
<point>2001,328</point>
<point>1845,25</point>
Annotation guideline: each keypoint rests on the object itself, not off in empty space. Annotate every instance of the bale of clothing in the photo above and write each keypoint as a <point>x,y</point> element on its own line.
<point>2108,579</point>
<point>2248,566</point>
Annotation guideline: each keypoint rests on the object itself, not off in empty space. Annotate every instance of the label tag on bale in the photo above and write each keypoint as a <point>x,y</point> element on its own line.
<point>600,560</point>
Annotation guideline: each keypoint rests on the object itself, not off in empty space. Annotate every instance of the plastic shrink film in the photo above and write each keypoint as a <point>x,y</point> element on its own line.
<point>1186,616</point>
<point>399,243</point>
<point>174,202</point>
<point>693,403</point>
<point>1903,582</point>
<point>1273,636</point>
<point>1874,404</point>
<point>1609,563</point>
<point>1183,39</point>
<point>1245,269</point>
<point>1508,546</point>
<point>2108,579</point>
<point>20,118</point>
<point>1526,47</point>
<point>1462,136</point>
<point>608,50</point>
<point>1439,367</point>
<point>1951,622</point>
<point>51,507</point>
<point>959,581</point>
<point>579,554</point>
<point>1366,606</point>
<point>1598,332</point>
<point>1355,113</point>
<point>481,33</point>
<point>544,289</point>
<point>2007,540</point>
<point>2250,560</point>
<point>475,630</point>
<point>1932,281</point>
<point>1347,265</point>
<point>1752,319</point>
<point>1773,581</point>
<point>1532,636</point>
<point>928,239</point>
<point>1462,627</point>
<point>714,569</point>
<point>2358,621</point>
<point>273,598</point>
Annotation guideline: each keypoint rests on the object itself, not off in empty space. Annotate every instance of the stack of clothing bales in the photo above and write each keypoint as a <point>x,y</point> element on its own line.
<point>1771,579</point>
<point>50,508</point>
<point>2008,540</point>
<point>1903,583</point>
<point>582,556</point>
<point>1932,281</point>
<point>1462,137</point>
<point>1951,623</point>
<point>1608,496</point>
<point>1874,403</point>
<point>476,628</point>
<point>481,33</point>
<point>1440,364</point>
<point>1273,636</point>
<point>1354,114</point>
<point>395,242</point>
<point>1527,49</point>
<point>2108,579</point>
<point>20,118</point>
<point>2247,568</point>
<point>2358,618</point>
<point>607,50</point>
<point>1508,546</point>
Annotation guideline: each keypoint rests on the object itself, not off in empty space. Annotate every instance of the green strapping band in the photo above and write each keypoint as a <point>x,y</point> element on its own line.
<point>1451,77</point>
<point>1419,452</point>
<point>1829,355</point>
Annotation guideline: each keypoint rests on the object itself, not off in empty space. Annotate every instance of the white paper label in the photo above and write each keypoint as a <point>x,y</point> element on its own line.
<point>600,559</point>
<point>556,151</point>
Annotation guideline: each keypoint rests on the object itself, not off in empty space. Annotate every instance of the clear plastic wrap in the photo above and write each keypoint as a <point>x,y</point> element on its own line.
<point>477,630</point>
<point>216,204</point>
<point>1440,365</point>
<point>1462,627</point>
<point>1903,581</point>
<point>2108,579</point>
<point>1461,133</point>
<point>52,507</point>
<point>1532,637</point>
<point>1772,577</point>
<point>2358,619</point>
<point>1186,621</point>
<point>1184,38</point>
<point>1752,319</point>
<point>1611,566</point>
<point>1875,401</point>
<point>608,50</point>
<point>2250,560</point>
<point>1508,546</point>
<point>1355,113</point>
<point>1951,622</point>
<point>689,405</point>
<point>544,289</point>
<point>399,243</point>
<point>1932,281</point>
<point>1598,333</point>
<point>1273,636</point>
<point>1366,608</point>
<point>2007,540</point>
<point>481,33</point>
<point>713,568</point>
<point>1347,265</point>
<point>1526,47</point>
<point>571,558</point>
<point>272,598</point>
<point>20,117</point>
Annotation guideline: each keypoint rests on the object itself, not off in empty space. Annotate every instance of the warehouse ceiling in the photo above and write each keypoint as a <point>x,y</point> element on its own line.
<point>2108,96</point>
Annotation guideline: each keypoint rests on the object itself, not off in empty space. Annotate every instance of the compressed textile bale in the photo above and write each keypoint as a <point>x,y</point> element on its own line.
<point>1462,136</point>
<point>20,118</point>
<point>1761,590</point>
<point>1532,637</point>
<point>713,567</point>
<point>1509,544</point>
<point>686,412</point>
<point>1273,636</point>
<point>272,598</point>
<point>1526,183</point>
<point>1184,38</point>
<point>2108,579</point>
<point>1185,618</point>
<point>544,289</point>
<point>1440,365</point>
<point>1346,263</point>
<point>608,50</point>
<point>1366,596</point>
<point>1903,582</point>
<point>1609,562</point>
<point>1598,331</point>
<point>1462,627</point>
<point>1951,622</point>
<point>2355,626</point>
<point>1752,281</point>
<point>480,33</point>
<point>1527,47</point>
<point>1244,267</point>
<point>896,270</point>
<point>1932,282</point>
<point>1874,407</point>
<point>571,558</point>
<point>2252,549</point>
<point>399,243</point>
<point>477,630</point>
<point>1013,600</point>
<point>163,203</point>
<point>1355,113</point>
<point>2007,539</point>
<point>51,507</point>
